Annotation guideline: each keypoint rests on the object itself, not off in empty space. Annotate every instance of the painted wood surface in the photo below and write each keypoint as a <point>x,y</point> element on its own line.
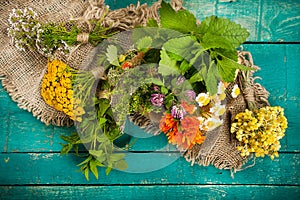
<point>166,192</point>
<point>31,167</point>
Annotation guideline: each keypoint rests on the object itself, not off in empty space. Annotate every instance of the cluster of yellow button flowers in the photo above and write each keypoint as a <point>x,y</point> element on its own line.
<point>259,131</point>
<point>57,90</point>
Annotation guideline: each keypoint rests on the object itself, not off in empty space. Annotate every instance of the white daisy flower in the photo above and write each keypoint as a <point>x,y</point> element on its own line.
<point>203,99</point>
<point>218,109</point>
<point>235,91</point>
<point>212,123</point>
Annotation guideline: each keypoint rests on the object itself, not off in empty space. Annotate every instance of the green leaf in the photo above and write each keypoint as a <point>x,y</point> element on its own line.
<point>227,68</point>
<point>164,90</point>
<point>112,55</point>
<point>86,173</point>
<point>223,30</point>
<point>96,153</point>
<point>66,148</point>
<point>93,168</point>
<point>231,54</point>
<point>103,107</point>
<point>167,66</point>
<point>185,66</point>
<point>108,170</point>
<point>212,79</point>
<point>102,121</point>
<point>197,77</point>
<point>155,81</point>
<point>182,21</point>
<point>152,23</point>
<point>85,161</point>
<point>210,40</point>
<point>186,47</point>
<point>144,43</point>
<point>121,165</point>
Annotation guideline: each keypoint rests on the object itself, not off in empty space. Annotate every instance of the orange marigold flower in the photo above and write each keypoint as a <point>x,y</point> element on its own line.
<point>169,126</point>
<point>189,108</point>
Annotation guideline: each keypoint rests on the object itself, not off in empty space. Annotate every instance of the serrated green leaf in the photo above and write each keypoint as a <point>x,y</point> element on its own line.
<point>231,54</point>
<point>223,28</point>
<point>155,81</point>
<point>210,41</point>
<point>121,165</point>
<point>144,43</point>
<point>112,55</point>
<point>167,66</point>
<point>93,168</point>
<point>152,23</point>
<point>227,68</point>
<point>182,20</point>
<point>185,47</point>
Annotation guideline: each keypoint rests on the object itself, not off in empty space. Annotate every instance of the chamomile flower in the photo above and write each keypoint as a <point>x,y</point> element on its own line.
<point>203,99</point>
<point>235,91</point>
<point>218,109</point>
<point>212,123</point>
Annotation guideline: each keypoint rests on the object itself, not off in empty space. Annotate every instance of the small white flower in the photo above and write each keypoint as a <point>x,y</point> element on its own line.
<point>218,109</point>
<point>203,99</point>
<point>212,123</point>
<point>235,91</point>
<point>221,88</point>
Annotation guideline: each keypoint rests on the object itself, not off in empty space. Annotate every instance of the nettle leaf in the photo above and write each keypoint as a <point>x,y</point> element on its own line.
<point>215,41</point>
<point>167,66</point>
<point>112,55</point>
<point>229,53</point>
<point>144,43</point>
<point>223,30</point>
<point>185,47</point>
<point>227,68</point>
<point>182,20</point>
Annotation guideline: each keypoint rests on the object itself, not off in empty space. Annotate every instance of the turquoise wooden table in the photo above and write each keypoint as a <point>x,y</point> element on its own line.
<point>31,166</point>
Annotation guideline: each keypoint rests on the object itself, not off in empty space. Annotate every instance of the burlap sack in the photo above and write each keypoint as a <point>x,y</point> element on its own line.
<point>23,71</point>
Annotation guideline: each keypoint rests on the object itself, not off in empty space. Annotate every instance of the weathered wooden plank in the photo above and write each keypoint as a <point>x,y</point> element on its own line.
<point>50,168</point>
<point>280,20</point>
<point>266,20</point>
<point>4,119</point>
<point>183,192</point>
<point>279,78</point>
<point>293,95</point>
